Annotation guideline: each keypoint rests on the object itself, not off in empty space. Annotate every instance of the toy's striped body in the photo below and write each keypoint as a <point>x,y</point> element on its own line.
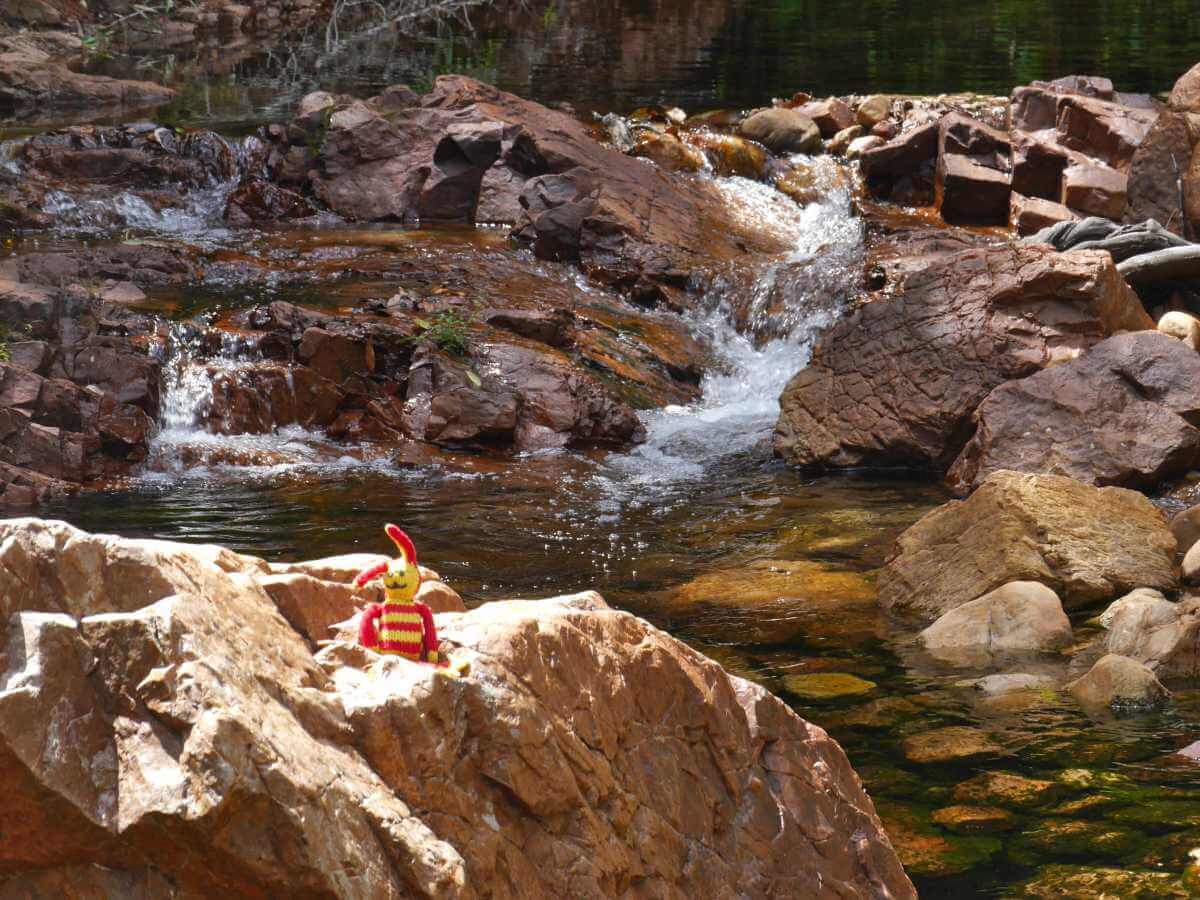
<point>402,627</point>
<point>399,626</point>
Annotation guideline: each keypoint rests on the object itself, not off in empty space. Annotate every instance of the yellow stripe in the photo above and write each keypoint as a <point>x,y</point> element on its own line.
<point>401,618</point>
<point>396,634</point>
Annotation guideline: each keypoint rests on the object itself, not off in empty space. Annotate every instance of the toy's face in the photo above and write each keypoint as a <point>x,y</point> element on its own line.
<point>400,581</point>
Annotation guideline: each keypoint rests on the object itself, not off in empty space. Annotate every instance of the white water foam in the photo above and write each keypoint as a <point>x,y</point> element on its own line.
<point>183,443</point>
<point>740,402</point>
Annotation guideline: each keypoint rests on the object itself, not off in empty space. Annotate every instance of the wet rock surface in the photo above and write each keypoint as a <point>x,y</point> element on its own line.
<point>180,666</point>
<point>467,152</point>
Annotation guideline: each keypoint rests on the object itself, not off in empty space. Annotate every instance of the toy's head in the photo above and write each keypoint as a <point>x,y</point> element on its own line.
<point>401,577</point>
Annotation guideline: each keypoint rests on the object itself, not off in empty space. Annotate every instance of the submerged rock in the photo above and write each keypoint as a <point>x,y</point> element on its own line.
<point>823,686</point>
<point>195,710</point>
<point>1009,790</point>
<point>895,383</point>
<point>954,744</point>
<point>973,819</point>
<point>1087,544</point>
<point>1058,881</point>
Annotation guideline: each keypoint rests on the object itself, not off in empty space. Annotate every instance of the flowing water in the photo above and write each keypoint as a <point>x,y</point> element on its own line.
<point>699,529</point>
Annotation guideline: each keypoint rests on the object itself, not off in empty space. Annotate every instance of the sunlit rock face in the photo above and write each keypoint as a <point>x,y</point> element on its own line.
<point>163,728</point>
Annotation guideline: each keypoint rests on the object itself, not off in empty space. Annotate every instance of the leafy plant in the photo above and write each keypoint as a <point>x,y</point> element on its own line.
<point>448,331</point>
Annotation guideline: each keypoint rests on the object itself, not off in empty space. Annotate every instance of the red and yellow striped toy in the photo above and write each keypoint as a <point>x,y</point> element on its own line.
<point>400,625</point>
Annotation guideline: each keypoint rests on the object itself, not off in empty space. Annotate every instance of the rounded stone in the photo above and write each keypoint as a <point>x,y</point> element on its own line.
<point>1181,326</point>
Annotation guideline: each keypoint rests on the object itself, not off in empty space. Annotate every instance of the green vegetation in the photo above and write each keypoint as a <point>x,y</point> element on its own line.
<point>448,331</point>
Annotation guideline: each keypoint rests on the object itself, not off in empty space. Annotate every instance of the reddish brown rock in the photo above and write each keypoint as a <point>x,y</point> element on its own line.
<point>1191,191</point>
<point>1105,131</point>
<point>1032,214</point>
<point>260,398</point>
<point>731,155</point>
<point>553,327</point>
<point>1034,108</point>
<point>560,405</point>
<point>900,157</point>
<point>960,135</point>
<point>1087,544</point>
<point>31,77</point>
<point>336,356</point>
<point>468,146</point>
<point>668,152</point>
<point>895,383</point>
<point>1121,415</point>
<point>445,405</point>
<point>831,115</point>
<point>277,772</point>
<point>971,193</point>
<point>1095,190</point>
<point>1158,164</point>
<point>1038,166</point>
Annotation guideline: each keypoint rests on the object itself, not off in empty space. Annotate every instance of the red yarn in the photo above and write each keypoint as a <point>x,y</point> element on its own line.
<point>404,542</point>
<point>368,629</point>
<point>367,574</point>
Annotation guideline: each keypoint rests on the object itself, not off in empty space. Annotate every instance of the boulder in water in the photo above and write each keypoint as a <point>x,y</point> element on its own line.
<point>783,130</point>
<point>895,383</point>
<point>1021,617</point>
<point>1119,683</point>
<point>1121,414</point>
<point>1087,544</point>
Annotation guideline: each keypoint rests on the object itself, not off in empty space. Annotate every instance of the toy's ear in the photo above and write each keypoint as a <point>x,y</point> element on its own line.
<point>403,542</point>
<point>369,574</point>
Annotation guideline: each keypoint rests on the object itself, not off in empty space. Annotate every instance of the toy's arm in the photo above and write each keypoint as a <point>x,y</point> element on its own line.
<point>429,637</point>
<point>368,628</point>
<point>370,574</point>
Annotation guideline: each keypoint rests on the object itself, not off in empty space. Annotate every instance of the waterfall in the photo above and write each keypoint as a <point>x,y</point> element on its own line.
<point>740,399</point>
<point>184,442</point>
<point>200,215</point>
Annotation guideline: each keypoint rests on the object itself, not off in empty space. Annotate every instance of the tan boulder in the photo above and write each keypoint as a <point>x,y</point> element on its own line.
<point>1019,617</point>
<point>196,742</point>
<point>1186,93</point>
<point>783,130</point>
<point>1118,682</point>
<point>1152,630</point>
<point>1088,544</point>
<point>1186,528</point>
<point>1182,326</point>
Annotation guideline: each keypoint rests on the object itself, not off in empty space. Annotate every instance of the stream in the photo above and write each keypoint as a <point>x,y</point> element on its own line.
<point>699,529</point>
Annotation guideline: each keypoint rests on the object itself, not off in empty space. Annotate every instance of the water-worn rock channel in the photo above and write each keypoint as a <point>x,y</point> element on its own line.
<point>552,346</point>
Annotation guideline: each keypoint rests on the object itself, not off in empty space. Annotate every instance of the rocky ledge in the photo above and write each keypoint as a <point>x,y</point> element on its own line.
<point>174,722</point>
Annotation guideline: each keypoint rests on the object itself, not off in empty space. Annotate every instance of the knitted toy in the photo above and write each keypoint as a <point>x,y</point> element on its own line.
<point>399,625</point>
